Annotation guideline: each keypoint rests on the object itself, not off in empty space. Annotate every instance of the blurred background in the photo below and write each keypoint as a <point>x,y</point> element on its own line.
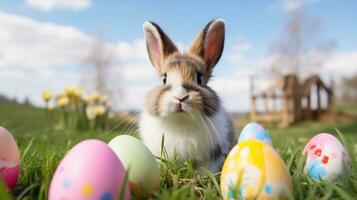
<point>273,47</point>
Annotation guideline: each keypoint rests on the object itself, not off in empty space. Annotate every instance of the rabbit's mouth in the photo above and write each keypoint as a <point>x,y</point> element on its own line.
<point>179,106</point>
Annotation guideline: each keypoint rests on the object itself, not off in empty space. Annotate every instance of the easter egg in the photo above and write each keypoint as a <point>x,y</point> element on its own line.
<point>90,171</point>
<point>255,131</point>
<point>327,159</point>
<point>9,159</point>
<point>254,170</point>
<point>144,173</point>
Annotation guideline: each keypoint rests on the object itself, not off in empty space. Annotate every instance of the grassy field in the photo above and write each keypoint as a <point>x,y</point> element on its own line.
<point>42,147</point>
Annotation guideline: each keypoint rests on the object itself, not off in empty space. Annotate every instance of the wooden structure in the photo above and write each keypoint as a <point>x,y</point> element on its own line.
<point>294,99</point>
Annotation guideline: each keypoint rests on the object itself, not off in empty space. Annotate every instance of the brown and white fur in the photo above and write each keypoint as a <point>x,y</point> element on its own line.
<point>183,108</point>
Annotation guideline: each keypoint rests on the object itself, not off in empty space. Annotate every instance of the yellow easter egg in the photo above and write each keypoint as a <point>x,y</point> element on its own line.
<point>254,170</point>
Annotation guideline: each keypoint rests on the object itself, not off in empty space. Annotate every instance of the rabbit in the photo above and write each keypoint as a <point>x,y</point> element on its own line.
<point>183,111</point>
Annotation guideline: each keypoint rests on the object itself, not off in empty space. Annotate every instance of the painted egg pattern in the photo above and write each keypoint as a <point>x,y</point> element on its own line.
<point>90,171</point>
<point>255,131</point>
<point>327,158</point>
<point>254,169</point>
<point>9,159</point>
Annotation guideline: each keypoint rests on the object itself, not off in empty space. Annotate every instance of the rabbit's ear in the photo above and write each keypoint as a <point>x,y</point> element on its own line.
<point>158,44</point>
<point>209,43</point>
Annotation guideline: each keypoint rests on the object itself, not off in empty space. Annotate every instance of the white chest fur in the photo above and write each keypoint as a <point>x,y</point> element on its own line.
<point>189,137</point>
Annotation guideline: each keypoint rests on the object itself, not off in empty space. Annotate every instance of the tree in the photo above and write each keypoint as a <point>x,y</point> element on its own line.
<point>98,70</point>
<point>301,48</point>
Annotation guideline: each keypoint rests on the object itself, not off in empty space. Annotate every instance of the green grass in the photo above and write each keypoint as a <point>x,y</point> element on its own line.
<point>42,148</point>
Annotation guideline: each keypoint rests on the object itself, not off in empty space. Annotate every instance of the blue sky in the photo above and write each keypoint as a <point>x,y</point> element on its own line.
<point>251,26</point>
<point>256,21</point>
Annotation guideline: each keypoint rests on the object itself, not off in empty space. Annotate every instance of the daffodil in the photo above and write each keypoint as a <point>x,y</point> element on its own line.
<point>90,112</point>
<point>95,111</point>
<point>62,102</point>
<point>96,96</point>
<point>100,110</point>
<point>60,95</point>
<point>47,95</point>
<point>72,91</point>
<point>85,98</point>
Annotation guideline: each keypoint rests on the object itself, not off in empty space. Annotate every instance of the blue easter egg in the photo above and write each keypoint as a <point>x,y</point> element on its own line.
<point>255,131</point>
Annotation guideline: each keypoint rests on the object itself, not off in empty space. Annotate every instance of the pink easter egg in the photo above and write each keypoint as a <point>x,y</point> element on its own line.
<point>327,159</point>
<point>89,171</point>
<point>9,159</point>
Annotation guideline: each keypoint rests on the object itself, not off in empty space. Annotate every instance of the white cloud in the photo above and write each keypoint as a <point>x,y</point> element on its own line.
<point>238,52</point>
<point>229,86</point>
<point>43,45</point>
<point>292,5</point>
<point>48,5</point>
<point>139,71</point>
<point>243,47</point>
<point>135,49</point>
<point>233,85</point>
<point>336,64</point>
<point>49,56</point>
<point>341,64</point>
<point>234,91</point>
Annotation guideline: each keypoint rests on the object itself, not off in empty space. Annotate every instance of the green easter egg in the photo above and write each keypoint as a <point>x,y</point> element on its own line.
<point>139,162</point>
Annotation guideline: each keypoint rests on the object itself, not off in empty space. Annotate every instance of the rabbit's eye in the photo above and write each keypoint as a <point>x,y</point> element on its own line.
<point>199,78</point>
<point>164,78</point>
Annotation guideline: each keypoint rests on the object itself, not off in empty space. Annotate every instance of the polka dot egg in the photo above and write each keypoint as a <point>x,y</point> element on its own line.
<point>255,131</point>
<point>327,159</point>
<point>91,171</point>
<point>253,169</point>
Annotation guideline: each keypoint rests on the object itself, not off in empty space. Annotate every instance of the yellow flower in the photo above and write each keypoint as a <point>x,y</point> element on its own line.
<point>47,95</point>
<point>62,102</point>
<point>72,91</point>
<point>85,98</point>
<point>96,96</point>
<point>100,110</point>
<point>60,95</point>
<point>90,112</point>
<point>50,107</point>
<point>95,111</point>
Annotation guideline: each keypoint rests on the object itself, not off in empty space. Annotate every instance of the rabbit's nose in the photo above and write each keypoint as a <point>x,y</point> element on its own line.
<point>182,99</point>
